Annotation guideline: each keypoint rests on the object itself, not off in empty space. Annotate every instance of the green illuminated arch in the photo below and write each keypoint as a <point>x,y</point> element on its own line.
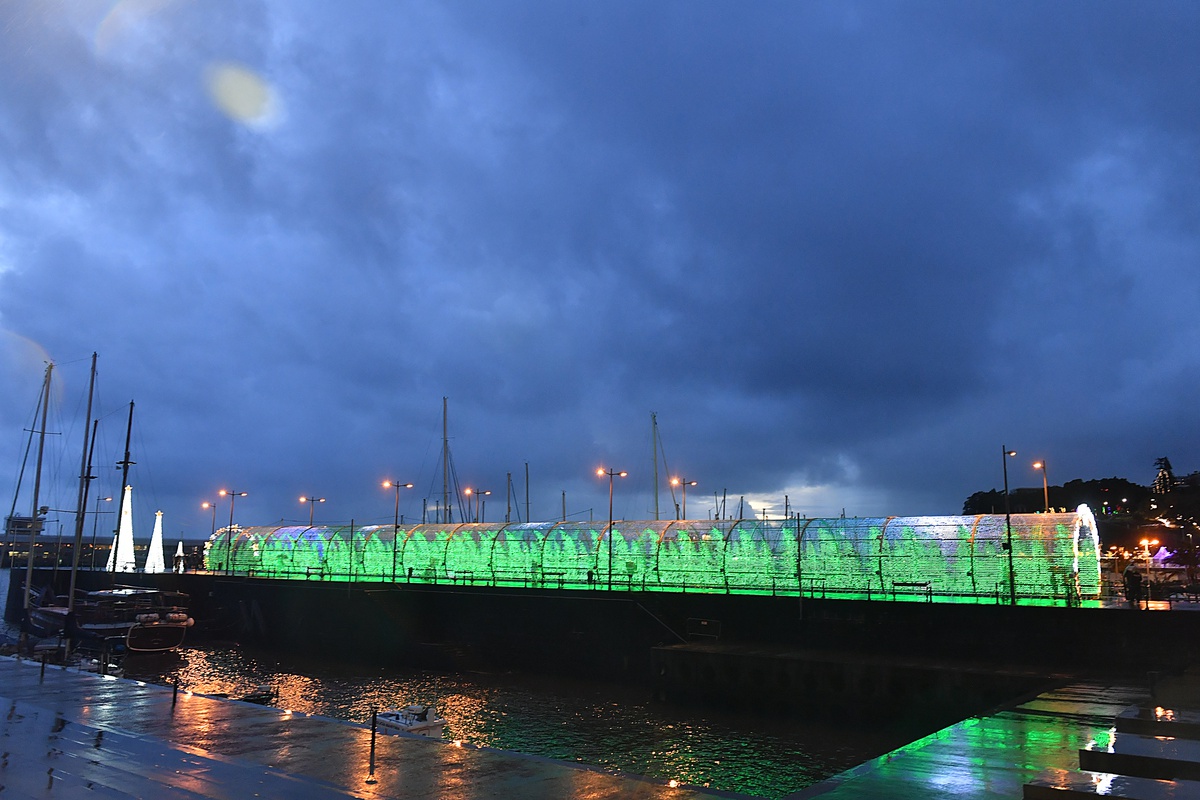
<point>1055,558</point>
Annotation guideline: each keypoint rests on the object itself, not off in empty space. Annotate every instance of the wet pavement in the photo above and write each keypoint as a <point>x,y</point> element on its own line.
<point>996,755</point>
<point>65,731</point>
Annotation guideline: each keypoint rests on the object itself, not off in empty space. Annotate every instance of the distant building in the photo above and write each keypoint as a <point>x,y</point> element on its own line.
<point>17,532</point>
<point>18,529</point>
<point>1164,481</point>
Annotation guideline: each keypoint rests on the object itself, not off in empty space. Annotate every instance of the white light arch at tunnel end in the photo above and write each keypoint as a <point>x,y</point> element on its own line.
<point>1086,541</point>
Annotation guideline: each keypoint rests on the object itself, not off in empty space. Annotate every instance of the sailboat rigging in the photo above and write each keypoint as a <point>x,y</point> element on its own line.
<point>148,620</point>
<point>37,486</point>
<point>85,480</point>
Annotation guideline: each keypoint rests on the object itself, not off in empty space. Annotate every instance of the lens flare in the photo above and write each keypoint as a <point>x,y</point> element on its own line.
<point>124,17</point>
<point>241,94</point>
<point>22,360</point>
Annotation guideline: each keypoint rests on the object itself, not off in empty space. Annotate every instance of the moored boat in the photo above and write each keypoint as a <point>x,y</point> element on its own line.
<point>421,720</point>
<point>150,620</point>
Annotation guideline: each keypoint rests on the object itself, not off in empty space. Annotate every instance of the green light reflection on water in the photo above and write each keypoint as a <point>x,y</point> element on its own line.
<point>605,726</point>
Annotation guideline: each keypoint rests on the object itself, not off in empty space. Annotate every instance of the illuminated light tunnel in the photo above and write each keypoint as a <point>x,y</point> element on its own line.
<point>1055,558</point>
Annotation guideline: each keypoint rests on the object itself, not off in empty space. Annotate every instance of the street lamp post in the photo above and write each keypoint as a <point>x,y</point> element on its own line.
<point>213,506</point>
<point>684,482</point>
<point>95,521</point>
<point>396,520</point>
<point>233,496</point>
<point>312,505</point>
<point>611,473</point>
<point>479,494</point>
<point>1045,483</point>
<point>1012,575</point>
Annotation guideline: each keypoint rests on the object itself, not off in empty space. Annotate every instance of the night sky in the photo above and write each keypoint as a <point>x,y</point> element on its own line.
<point>845,251</point>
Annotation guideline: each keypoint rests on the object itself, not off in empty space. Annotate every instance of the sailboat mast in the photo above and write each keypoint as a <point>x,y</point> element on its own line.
<point>125,464</point>
<point>654,457</point>
<point>445,463</point>
<point>85,478</point>
<point>37,484</point>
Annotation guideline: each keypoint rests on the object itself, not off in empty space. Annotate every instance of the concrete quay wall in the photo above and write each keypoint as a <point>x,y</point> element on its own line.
<point>614,634</point>
<point>926,692</point>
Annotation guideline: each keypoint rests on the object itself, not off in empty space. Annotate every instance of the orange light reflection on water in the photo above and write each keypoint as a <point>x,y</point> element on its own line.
<point>603,725</point>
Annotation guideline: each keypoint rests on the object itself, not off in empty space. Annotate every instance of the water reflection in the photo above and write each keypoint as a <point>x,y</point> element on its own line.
<point>614,727</point>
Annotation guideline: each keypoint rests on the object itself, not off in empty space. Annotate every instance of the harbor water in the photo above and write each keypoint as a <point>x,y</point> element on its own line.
<point>615,727</point>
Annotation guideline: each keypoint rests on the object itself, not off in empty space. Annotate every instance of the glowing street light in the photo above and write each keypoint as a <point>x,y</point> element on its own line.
<point>213,506</point>
<point>1012,575</point>
<point>684,482</point>
<point>611,473</point>
<point>479,494</point>
<point>312,504</point>
<point>396,522</point>
<point>1045,486</point>
<point>233,496</point>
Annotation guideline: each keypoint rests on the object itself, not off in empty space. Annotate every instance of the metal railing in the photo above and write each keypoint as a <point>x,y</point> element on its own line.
<point>806,586</point>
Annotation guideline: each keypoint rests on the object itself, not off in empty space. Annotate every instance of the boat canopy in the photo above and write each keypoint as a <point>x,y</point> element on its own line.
<point>1053,556</point>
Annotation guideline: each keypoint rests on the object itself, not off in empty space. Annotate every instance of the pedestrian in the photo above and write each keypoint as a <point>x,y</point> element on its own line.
<point>1133,585</point>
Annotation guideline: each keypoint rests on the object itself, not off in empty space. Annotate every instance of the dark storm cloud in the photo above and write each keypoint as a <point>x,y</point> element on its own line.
<point>844,250</point>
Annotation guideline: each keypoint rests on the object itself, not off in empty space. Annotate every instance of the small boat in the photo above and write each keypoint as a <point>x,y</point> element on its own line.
<point>264,695</point>
<point>99,666</point>
<point>421,720</point>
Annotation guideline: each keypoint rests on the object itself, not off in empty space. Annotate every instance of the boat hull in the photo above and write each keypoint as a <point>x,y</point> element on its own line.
<point>415,720</point>
<point>155,637</point>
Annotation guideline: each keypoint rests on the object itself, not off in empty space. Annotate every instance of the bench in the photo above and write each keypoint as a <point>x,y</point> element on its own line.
<point>814,585</point>
<point>1191,593</point>
<point>913,587</point>
<point>554,577</point>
